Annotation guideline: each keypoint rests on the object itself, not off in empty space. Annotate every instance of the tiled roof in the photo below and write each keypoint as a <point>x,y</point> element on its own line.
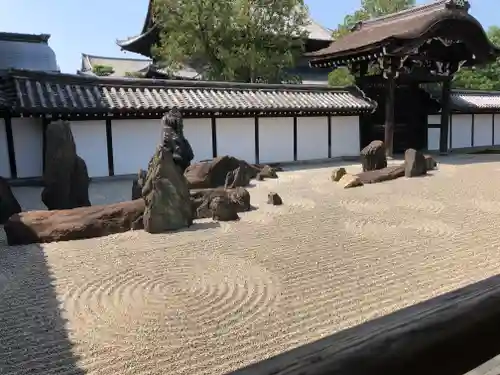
<point>471,101</point>
<point>120,65</point>
<point>475,101</point>
<point>40,93</point>
<point>395,30</point>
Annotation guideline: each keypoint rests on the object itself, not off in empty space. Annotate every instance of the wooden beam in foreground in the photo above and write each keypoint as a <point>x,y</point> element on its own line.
<point>447,335</point>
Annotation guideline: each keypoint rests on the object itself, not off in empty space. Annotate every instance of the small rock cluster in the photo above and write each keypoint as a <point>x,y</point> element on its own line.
<point>375,169</point>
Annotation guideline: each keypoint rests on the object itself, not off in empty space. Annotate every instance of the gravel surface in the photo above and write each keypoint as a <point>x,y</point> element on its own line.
<point>220,296</point>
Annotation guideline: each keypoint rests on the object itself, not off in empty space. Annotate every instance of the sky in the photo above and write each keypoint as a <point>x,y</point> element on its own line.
<point>93,26</point>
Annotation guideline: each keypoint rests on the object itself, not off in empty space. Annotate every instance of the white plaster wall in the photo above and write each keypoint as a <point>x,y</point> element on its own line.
<point>345,136</point>
<point>28,145</point>
<point>198,132</point>
<point>461,131</point>
<point>134,142</point>
<point>434,119</point>
<point>483,129</point>
<point>497,130</point>
<point>91,145</point>
<point>312,138</point>
<point>4,152</point>
<point>275,139</point>
<point>433,134</point>
<point>433,139</point>
<point>236,137</point>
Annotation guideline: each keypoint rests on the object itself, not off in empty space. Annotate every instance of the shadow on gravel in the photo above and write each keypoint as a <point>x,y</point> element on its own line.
<point>33,337</point>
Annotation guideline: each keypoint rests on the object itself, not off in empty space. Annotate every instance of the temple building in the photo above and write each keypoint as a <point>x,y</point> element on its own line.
<point>392,56</point>
<point>27,51</point>
<point>319,37</point>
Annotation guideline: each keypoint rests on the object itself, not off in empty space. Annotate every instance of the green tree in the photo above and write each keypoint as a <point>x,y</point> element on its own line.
<point>234,40</point>
<point>102,70</point>
<point>369,9</point>
<point>481,78</point>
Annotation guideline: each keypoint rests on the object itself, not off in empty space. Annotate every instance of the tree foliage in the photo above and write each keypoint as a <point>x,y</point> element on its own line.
<point>481,78</point>
<point>369,9</point>
<point>102,70</point>
<point>234,40</point>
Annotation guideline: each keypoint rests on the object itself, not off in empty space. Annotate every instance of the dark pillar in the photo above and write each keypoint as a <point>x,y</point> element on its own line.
<point>389,114</point>
<point>445,117</point>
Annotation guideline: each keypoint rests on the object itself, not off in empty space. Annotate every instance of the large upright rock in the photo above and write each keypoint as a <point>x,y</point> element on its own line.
<point>415,163</point>
<point>166,194</point>
<point>65,177</point>
<point>8,202</point>
<point>373,156</point>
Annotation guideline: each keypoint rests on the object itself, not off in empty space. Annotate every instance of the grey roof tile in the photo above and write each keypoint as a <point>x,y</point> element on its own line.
<point>61,93</point>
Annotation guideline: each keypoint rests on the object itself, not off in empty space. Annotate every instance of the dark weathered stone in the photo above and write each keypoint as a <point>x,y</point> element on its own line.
<point>373,156</point>
<point>137,184</point>
<point>259,177</point>
<point>65,177</point>
<point>75,224</point>
<point>166,194</point>
<point>415,163</point>
<point>238,178</point>
<point>239,197</point>
<point>223,210</point>
<point>350,181</point>
<point>337,174</point>
<point>174,141</point>
<point>274,199</point>
<point>430,163</point>
<point>384,174</point>
<point>8,202</point>
<point>80,182</point>
<point>268,172</point>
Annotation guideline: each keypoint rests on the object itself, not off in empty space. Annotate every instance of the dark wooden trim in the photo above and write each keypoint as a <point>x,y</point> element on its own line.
<point>214,136</point>
<point>330,136</point>
<point>9,134</point>
<point>256,134</point>
<point>445,118</point>
<point>492,129</point>
<point>389,115</point>
<point>472,126</point>
<point>295,138</point>
<point>434,126</point>
<point>45,124</point>
<point>109,145</point>
<point>451,132</point>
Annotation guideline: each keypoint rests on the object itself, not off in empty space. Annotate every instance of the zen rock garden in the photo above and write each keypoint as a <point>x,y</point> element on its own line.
<point>375,168</point>
<point>166,197</point>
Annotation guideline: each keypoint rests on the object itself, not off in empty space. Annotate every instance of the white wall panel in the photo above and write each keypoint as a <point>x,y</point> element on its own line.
<point>4,152</point>
<point>433,139</point>
<point>91,145</point>
<point>198,132</point>
<point>483,130</point>
<point>461,131</point>
<point>497,129</point>
<point>345,136</point>
<point>434,119</point>
<point>28,146</point>
<point>275,139</point>
<point>236,137</point>
<point>134,143</point>
<point>312,138</point>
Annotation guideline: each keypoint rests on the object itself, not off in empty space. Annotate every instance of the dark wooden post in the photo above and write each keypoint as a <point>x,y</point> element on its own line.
<point>389,114</point>
<point>445,117</point>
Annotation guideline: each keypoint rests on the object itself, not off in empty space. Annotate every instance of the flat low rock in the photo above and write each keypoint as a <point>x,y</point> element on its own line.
<point>74,224</point>
<point>385,174</point>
